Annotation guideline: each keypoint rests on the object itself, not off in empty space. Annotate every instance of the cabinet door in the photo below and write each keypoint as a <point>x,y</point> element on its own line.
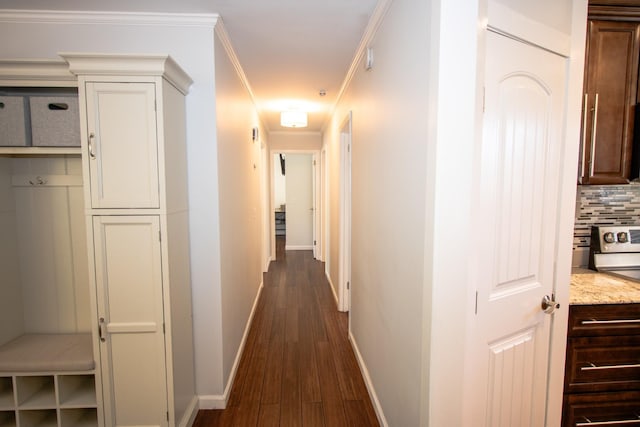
<point>610,96</point>
<point>122,145</point>
<point>130,310</point>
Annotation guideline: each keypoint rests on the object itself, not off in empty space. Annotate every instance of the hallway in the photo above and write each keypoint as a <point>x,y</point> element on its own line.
<point>298,367</point>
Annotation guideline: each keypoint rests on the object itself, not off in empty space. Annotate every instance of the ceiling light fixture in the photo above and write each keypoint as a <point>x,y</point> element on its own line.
<point>293,119</point>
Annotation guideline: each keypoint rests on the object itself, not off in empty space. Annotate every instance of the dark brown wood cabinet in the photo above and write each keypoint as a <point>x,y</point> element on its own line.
<point>602,371</point>
<point>611,84</point>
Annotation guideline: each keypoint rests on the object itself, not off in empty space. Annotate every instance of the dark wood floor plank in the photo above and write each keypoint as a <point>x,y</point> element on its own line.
<point>272,386</point>
<point>269,416</point>
<point>333,407</point>
<point>290,406</point>
<point>247,414</point>
<point>312,414</point>
<point>252,390</point>
<point>292,325</point>
<point>356,413</point>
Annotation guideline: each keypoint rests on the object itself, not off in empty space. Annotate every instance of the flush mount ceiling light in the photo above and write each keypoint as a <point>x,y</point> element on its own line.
<point>293,119</point>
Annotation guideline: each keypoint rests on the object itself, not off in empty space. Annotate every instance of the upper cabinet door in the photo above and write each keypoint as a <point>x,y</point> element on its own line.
<point>122,145</point>
<point>611,77</point>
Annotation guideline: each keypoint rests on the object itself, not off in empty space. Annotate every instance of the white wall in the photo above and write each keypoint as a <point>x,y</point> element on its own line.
<point>389,154</point>
<point>295,140</point>
<point>191,45</point>
<point>239,172</point>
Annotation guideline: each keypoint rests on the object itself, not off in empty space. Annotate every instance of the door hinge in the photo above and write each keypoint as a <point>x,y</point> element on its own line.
<point>476,309</point>
<point>314,163</point>
<point>314,243</point>
<point>348,285</point>
<point>160,235</point>
<point>348,148</point>
<point>164,328</point>
<point>484,98</point>
<point>167,415</point>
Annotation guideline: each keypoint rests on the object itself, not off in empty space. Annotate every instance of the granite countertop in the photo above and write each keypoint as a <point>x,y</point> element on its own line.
<point>591,287</point>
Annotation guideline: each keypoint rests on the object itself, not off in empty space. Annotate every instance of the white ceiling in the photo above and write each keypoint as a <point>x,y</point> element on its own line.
<point>289,49</point>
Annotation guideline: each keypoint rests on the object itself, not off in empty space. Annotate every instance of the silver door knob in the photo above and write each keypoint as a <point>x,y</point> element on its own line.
<point>548,305</point>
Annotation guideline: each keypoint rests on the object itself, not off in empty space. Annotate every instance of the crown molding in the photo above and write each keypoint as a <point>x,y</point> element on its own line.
<point>129,65</point>
<point>369,33</point>
<point>122,18</point>
<point>36,72</point>
<point>223,36</point>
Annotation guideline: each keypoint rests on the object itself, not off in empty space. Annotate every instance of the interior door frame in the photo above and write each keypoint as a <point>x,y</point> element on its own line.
<point>344,268</point>
<point>315,155</point>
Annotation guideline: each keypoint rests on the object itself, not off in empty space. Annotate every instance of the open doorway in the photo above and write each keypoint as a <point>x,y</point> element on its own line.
<point>294,201</point>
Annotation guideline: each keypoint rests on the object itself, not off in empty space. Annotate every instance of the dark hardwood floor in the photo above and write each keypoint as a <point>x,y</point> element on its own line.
<point>298,367</point>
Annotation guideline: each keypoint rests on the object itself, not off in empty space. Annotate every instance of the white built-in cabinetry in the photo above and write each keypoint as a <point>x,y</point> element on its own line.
<point>132,113</point>
<point>119,268</point>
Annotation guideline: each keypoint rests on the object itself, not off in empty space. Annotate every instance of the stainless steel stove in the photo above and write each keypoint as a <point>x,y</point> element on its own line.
<point>616,249</point>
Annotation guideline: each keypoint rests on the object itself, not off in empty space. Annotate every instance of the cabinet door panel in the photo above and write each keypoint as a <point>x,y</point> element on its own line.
<point>123,149</point>
<point>130,308</point>
<point>610,86</point>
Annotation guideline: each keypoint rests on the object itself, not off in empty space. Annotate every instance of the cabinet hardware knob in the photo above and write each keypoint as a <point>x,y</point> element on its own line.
<point>92,154</point>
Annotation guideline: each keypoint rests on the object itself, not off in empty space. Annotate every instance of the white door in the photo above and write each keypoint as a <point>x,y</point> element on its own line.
<point>131,319</point>
<point>299,194</point>
<point>122,145</point>
<point>518,196</point>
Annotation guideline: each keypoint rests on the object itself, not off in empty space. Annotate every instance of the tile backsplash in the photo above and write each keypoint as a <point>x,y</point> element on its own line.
<point>602,205</point>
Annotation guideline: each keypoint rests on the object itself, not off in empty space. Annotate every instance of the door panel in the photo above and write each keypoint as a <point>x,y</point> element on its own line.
<point>524,106</point>
<point>123,153</point>
<point>130,300</point>
<point>299,195</point>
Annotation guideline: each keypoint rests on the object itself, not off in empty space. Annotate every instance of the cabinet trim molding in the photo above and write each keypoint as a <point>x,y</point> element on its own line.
<point>36,72</point>
<point>94,64</point>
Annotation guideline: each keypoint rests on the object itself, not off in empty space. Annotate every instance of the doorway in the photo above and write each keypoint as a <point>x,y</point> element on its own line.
<point>294,200</point>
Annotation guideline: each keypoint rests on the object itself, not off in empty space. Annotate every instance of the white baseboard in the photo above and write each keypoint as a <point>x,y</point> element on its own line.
<point>213,401</point>
<point>265,268</point>
<point>298,247</point>
<point>190,414</point>
<point>333,290</point>
<point>217,401</point>
<point>367,380</point>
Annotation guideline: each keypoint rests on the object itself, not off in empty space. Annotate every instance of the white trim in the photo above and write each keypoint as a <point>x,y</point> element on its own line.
<point>295,132</point>
<point>566,209</point>
<point>120,18</point>
<point>367,380</point>
<point>369,33</point>
<point>190,413</point>
<point>36,72</point>
<point>333,289</point>
<point>213,401</point>
<point>298,248</point>
<point>98,64</point>
<point>522,28</point>
<point>219,401</point>
<point>267,264</point>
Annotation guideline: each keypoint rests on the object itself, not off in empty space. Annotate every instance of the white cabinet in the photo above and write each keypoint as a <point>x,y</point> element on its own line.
<point>134,158</point>
<point>122,144</point>
<point>129,292</point>
<point>48,399</point>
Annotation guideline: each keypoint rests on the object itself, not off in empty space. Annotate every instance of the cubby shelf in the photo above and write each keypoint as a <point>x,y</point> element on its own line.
<point>48,399</point>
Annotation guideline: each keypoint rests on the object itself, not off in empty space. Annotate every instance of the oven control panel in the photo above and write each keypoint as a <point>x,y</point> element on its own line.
<point>616,238</point>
